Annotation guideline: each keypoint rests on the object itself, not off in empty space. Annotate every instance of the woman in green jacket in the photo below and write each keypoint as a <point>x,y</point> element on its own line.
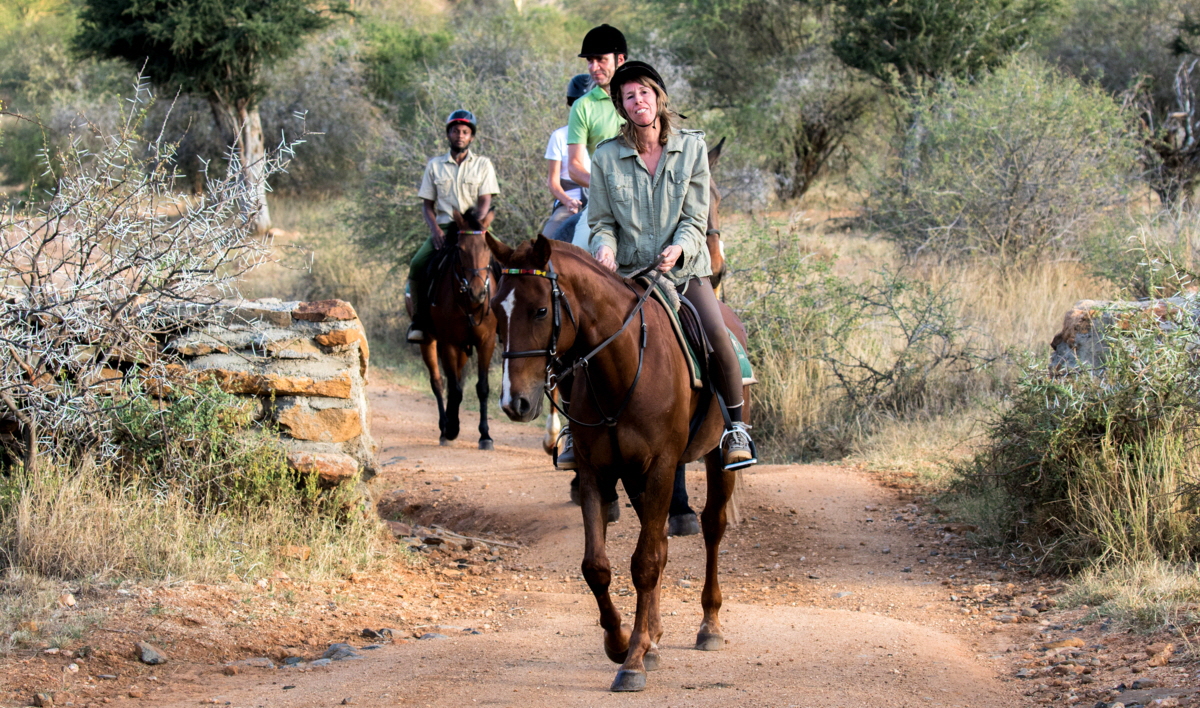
<point>649,198</point>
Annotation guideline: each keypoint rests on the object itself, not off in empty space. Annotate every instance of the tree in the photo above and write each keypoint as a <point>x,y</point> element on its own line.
<point>217,49</point>
<point>765,66</point>
<point>910,45</point>
<point>113,261</point>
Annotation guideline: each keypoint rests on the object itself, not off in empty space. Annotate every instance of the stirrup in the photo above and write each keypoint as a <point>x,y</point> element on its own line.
<point>740,451</point>
<point>415,335</point>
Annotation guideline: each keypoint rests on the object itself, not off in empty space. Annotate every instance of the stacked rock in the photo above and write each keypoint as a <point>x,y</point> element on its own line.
<point>306,362</point>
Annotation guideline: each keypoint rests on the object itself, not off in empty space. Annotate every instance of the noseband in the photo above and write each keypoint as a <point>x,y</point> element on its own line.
<point>464,277</point>
<point>557,367</point>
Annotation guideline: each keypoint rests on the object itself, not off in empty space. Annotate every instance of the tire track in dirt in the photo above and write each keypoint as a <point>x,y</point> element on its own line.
<point>830,598</point>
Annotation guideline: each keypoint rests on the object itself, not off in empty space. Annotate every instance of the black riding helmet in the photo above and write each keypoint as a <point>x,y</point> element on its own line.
<point>462,116</point>
<point>604,39</point>
<point>629,71</point>
<point>578,87</point>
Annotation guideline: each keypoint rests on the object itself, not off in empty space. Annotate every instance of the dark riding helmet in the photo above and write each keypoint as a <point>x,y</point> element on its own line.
<point>461,116</point>
<point>604,39</point>
<point>630,71</point>
<point>578,87</point>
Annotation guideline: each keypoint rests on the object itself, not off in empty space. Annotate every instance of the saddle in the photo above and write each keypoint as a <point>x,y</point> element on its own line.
<point>689,333</point>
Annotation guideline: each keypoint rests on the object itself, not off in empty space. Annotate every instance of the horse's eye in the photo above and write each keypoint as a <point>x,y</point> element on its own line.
<point>540,314</point>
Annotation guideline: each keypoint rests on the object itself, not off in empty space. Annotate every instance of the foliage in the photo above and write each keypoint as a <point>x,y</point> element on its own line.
<point>836,355</point>
<point>205,47</point>
<point>113,259</point>
<point>1099,461</point>
<point>975,181</point>
<point>910,46</point>
<point>202,446</point>
<point>795,110</point>
<point>196,493</point>
<point>1145,256</point>
<point>1119,43</point>
<point>394,58</point>
<point>517,112</point>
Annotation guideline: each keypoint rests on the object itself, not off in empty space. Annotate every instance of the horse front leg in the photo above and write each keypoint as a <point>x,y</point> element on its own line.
<point>484,355</point>
<point>649,560</point>
<point>429,353</point>
<point>596,569</point>
<point>713,518</point>
<point>553,426</point>
<point>453,363</point>
<point>683,520</point>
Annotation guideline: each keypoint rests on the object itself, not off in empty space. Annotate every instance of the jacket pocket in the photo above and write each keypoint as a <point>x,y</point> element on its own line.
<point>678,183</point>
<point>626,250</point>
<point>619,188</point>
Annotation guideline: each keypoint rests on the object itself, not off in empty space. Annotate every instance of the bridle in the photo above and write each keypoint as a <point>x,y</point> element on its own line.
<point>557,366</point>
<point>464,276</point>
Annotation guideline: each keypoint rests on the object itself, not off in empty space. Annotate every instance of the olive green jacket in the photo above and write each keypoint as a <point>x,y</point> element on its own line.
<point>637,215</point>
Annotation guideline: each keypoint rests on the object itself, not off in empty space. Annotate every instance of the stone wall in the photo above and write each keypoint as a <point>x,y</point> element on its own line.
<point>306,363</point>
<point>1080,343</point>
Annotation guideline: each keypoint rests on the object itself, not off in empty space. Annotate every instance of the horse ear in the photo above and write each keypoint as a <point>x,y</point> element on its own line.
<point>460,220</point>
<point>714,155</point>
<point>540,254</point>
<point>502,252</point>
<point>486,222</point>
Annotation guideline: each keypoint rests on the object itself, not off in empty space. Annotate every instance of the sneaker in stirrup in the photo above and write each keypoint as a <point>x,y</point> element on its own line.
<point>566,451</point>
<point>737,447</point>
<point>415,335</point>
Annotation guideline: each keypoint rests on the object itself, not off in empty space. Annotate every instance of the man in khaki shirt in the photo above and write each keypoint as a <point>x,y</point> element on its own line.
<point>459,180</point>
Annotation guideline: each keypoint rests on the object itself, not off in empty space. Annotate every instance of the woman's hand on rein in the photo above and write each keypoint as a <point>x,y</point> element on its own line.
<point>607,258</point>
<point>670,255</point>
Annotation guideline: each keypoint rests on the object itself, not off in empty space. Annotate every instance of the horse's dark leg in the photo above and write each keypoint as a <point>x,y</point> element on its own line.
<point>649,559</point>
<point>720,488</point>
<point>484,355</point>
<point>453,365</point>
<point>683,521</point>
<point>596,569</point>
<point>429,352</point>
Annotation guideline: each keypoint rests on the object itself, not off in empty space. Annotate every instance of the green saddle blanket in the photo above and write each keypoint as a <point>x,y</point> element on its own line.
<point>670,301</point>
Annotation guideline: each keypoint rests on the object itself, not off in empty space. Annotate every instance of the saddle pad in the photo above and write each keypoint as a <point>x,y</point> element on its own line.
<point>688,334</point>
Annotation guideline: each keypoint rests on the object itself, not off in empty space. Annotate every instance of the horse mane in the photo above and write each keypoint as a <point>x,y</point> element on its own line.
<point>472,220</point>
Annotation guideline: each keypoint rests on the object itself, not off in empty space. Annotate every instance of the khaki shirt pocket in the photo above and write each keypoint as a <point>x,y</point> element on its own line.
<point>619,188</point>
<point>678,183</point>
<point>626,249</point>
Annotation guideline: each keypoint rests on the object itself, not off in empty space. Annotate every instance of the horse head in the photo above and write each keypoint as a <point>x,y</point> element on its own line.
<point>532,323</point>
<point>473,269</point>
<point>716,252</point>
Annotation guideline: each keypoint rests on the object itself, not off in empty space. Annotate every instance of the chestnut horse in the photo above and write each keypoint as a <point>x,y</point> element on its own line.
<point>463,319</point>
<point>683,519</point>
<point>635,417</point>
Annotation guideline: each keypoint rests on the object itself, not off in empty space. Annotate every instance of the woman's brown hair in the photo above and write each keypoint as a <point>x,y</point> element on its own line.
<point>666,116</point>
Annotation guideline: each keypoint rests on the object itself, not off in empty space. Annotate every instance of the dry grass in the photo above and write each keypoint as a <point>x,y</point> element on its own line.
<point>1146,596</point>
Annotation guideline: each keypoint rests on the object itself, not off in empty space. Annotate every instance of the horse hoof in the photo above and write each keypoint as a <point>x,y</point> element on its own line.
<point>443,441</point>
<point>548,444</point>
<point>650,659</point>
<point>614,512</point>
<point>486,445</point>
<point>709,642</point>
<point>627,681</point>
<point>683,525</point>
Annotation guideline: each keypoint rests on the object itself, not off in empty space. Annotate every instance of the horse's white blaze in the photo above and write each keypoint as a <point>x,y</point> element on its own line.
<point>505,385</point>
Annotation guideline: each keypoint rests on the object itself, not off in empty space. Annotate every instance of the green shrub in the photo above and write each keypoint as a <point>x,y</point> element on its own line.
<point>835,355</point>
<point>197,491</point>
<point>1099,463</point>
<point>1021,163</point>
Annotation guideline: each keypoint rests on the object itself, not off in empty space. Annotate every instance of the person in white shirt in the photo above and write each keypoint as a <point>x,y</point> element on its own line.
<point>569,197</point>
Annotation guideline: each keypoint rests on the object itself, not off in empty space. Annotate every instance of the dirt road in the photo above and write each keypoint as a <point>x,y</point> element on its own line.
<point>833,595</point>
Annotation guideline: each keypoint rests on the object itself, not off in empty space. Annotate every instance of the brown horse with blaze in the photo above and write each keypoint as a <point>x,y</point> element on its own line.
<point>632,409</point>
